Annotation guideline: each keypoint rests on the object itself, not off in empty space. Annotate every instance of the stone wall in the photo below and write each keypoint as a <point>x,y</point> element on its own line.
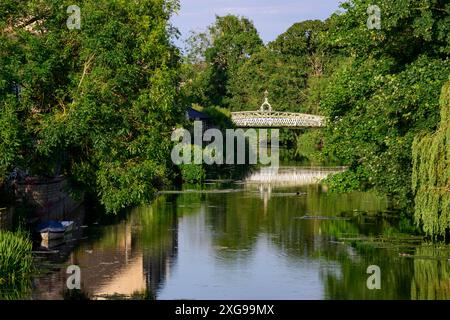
<point>50,196</point>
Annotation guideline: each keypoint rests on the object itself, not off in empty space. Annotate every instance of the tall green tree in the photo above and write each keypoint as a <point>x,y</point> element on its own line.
<point>219,52</point>
<point>282,76</point>
<point>431,174</point>
<point>97,104</point>
<point>284,68</point>
<point>294,69</point>
<point>387,92</point>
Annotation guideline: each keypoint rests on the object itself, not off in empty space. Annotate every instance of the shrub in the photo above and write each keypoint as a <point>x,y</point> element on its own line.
<point>347,181</point>
<point>192,173</point>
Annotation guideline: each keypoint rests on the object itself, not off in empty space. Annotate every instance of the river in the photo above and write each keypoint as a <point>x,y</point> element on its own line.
<point>273,235</point>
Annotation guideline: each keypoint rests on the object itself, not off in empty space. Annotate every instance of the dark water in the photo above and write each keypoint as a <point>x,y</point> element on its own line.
<point>287,239</point>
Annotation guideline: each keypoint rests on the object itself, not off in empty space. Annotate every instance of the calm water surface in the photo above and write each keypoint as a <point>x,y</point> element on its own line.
<point>274,236</point>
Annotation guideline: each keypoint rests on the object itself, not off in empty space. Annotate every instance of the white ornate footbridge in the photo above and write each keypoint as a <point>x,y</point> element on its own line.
<point>267,118</point>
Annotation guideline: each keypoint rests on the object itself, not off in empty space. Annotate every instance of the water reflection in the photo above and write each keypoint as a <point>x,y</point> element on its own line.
<point>130,259</point>
<point>431,273</point>
<point>301,242</point>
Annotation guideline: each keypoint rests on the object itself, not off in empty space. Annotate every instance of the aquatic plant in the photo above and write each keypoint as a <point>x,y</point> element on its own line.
<point>431,174</point>
<point>16,261</point>
<point>193,172</point>
<point>431,273</point>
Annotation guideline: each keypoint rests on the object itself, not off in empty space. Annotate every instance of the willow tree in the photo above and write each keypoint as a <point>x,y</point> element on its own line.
<point>97,100</point>
<point>431,174</point>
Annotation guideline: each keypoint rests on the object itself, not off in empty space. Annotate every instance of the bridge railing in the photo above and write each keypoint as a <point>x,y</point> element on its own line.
<point>276,119</point>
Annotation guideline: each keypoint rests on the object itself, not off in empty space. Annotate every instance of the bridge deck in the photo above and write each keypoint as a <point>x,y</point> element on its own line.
<point>272,119</point>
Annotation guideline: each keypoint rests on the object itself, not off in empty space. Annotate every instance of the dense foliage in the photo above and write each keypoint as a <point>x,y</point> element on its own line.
<point>97,103</point>
<point>215,56</point>
<point>378,87</point>
<point>388,90</point>
<point>284,68</point>
<point>376,115</point>
<point>192,173</point>
<point>292,68</point>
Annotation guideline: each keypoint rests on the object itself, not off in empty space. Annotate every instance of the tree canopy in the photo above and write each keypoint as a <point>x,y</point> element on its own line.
<point>227,44</point>
<point>97,103</point>
<point>378,86</point>
<point>387,92</point>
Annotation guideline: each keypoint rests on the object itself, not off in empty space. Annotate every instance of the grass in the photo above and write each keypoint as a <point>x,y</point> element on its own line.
<point>16,260</point>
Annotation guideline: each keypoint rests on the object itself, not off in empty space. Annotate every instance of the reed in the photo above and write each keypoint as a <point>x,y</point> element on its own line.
<point>16,261</point>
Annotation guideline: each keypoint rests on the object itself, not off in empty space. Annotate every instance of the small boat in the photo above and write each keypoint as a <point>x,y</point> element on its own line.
<point>51,244</point>
<point>51,230</point>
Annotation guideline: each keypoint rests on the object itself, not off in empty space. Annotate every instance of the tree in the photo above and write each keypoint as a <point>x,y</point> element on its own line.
<point>284,68</point>
<point>267,70</point>
<point>97,104</point>
<point>226,45</point>
<point>302,39</point>
<point>387,92</point>
<point>408,28</point>
<point>431,174</point>
<point>294,69</point>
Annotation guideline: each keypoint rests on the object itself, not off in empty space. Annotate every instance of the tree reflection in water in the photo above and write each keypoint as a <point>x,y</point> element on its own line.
<point>299,242</point>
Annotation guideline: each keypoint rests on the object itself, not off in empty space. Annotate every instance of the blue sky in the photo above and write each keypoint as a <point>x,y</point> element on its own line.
<point>271,17</point>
